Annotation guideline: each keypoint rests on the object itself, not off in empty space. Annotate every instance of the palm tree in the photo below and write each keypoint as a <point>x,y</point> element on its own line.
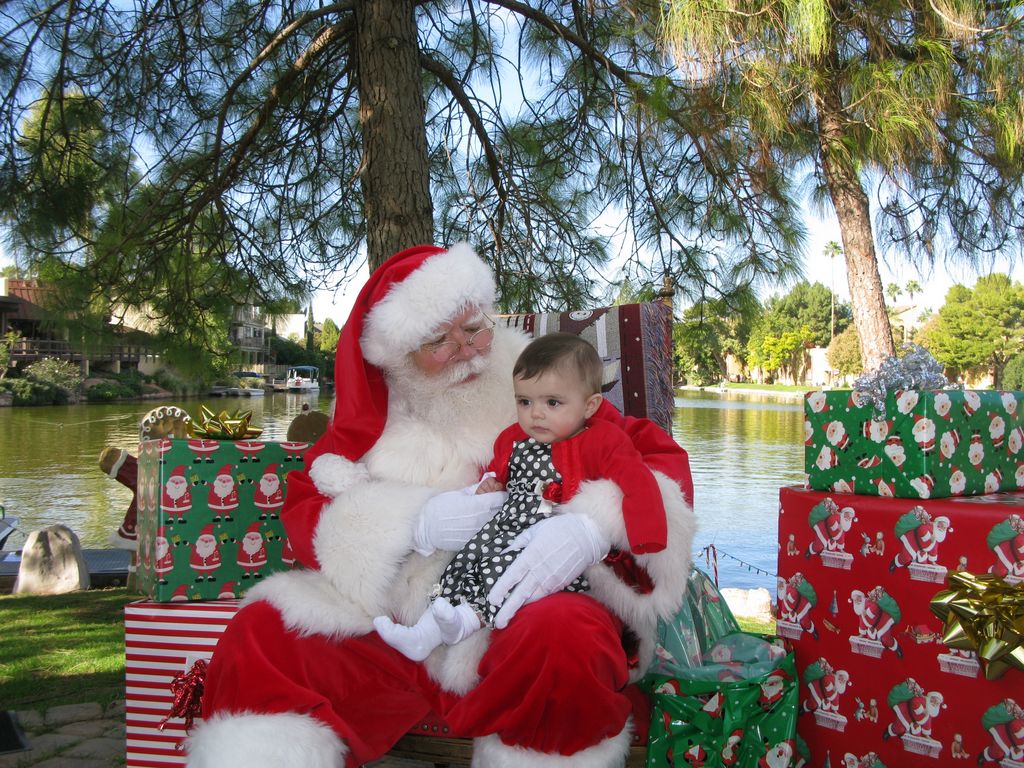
<point>912,287</point>
<point>830,251</point>
<point>893,291</point>
<point>900,103</point>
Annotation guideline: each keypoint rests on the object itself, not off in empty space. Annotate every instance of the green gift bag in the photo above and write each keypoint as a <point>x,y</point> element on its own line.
<point>721,697</point>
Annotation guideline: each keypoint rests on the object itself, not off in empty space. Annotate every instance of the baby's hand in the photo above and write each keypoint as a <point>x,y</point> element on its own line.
<point>489,484</point>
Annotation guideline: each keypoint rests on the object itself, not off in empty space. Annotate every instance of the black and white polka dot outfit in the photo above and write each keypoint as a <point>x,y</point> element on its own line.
<point>473,571</point>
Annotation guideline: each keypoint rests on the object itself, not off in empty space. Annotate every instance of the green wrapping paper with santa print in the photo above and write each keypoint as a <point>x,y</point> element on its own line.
<point>720,696</point>
<point>737,708</point>
<point>927,444</point>
<point>209,515</point>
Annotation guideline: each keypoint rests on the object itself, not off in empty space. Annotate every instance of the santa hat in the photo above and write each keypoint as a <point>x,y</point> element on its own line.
<point>253,528</point>
<point>225,470</point>
<point>207,530</point>
<point>161,532</point>
<point>179,471</point>
<point>180,594</point>
<point>401,306</point>
<point>270,470</point>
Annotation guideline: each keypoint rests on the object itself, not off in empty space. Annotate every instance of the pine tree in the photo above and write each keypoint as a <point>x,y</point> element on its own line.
<point>292,141</point>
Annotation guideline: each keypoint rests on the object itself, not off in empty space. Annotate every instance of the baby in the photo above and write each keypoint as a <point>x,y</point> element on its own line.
<point>540,461</point>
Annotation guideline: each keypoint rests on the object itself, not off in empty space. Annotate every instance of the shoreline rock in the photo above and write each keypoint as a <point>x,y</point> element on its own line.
<point>753,604</point>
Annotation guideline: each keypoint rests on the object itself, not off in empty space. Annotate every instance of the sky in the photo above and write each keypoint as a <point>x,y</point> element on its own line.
<point>934,284</point>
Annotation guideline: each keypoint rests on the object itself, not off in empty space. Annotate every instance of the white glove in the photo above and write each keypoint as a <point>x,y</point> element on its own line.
<point>555,551</point>
<point>449,520</point>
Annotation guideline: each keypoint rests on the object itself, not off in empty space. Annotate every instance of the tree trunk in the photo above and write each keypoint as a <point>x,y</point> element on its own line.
<point>853,212</point>
<point>395,173</point>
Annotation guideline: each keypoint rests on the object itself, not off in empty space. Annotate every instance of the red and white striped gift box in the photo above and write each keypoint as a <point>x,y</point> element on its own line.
<point>163,640</point>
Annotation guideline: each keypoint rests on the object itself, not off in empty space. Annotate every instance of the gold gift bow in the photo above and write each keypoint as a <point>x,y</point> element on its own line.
<point>985,614</point>
<point>223,425</point>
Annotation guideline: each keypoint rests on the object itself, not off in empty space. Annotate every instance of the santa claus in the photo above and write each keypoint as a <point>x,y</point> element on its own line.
<point>205,558</point>
<point>176,499</point>
<point>878,616</point>
<point>269,497</point>
<point>163,556</point>
<point>252,553</point>
<point>913,710</point>
<point>424,386</point>
<point>223,496</point>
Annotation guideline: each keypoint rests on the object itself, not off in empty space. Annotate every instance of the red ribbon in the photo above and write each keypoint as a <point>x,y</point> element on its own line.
<point>553,491</point>
<point>187,688</point>
<point>629,571</point>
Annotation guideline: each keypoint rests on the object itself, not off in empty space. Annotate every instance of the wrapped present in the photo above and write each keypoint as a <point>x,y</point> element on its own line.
<point>164,642</point>
<point>923,444</point>
<point>209,509</point>
<point>720,697</point>
<point>885,602</point>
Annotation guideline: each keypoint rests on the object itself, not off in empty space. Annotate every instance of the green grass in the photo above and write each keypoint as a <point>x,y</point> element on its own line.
<point>69,649</point>
<point>62,649</point>
<point>759,627</point>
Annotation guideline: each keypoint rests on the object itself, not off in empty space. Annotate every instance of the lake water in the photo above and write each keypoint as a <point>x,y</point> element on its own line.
<point>742,449</point>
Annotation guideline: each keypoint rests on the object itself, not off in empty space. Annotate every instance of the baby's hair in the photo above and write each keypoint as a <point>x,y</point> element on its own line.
<point>561,351</point>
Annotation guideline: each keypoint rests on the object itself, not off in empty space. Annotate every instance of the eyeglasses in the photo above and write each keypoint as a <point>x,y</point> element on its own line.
<point>480,340</point>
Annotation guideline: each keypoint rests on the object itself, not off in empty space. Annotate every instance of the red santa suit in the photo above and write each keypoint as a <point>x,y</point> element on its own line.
<point>252,553</point>
<point>299,676</point>
<point>223,496</point>
<point>205,558</point>
<point>269,495</point>
<point>164,562</point>
<point>176,498</point>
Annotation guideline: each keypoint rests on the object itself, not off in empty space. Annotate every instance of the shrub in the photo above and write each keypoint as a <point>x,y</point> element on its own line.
<point>106,391</point>
<point>60,374</point>
<point>167,380</point>
<point>32,392</point>
<point>1013,373</point>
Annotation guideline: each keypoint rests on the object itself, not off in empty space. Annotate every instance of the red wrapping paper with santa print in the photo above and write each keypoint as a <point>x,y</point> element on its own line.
<point>209,515</point>
<point>856,575</point>
<point>927,444</point>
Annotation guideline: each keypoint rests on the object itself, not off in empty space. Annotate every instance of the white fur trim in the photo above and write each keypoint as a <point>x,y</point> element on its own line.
<point>668,569</point>
<point>455,667</point>
<point>333,474</point>
<point>442,286</point>
<point>601,501</point>
<point>364,537</point>
<point>492,752</point>
<point>310,605</point>
<point>264,741</point>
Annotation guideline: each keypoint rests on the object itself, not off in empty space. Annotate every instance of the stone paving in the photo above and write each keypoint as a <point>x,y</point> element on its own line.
<point>93,736</point>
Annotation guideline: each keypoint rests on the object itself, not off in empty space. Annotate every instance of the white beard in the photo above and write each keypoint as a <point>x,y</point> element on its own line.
<point>223,488</point>
<point>176,488</point>
<point>269,487</point>
<point>205,546</point>
<point>251,545</point>
<point>440,433</point>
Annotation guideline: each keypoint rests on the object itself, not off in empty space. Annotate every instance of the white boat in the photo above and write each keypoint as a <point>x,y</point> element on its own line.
<point>303,378</point>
